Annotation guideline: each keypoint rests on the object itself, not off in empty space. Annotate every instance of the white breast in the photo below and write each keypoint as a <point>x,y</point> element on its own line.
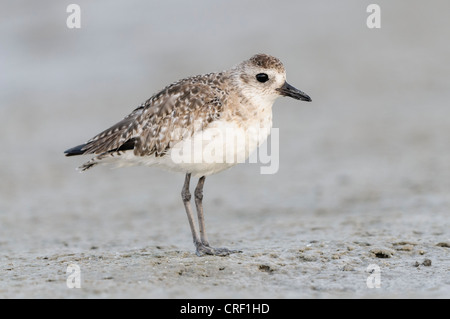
<point>222,144</point>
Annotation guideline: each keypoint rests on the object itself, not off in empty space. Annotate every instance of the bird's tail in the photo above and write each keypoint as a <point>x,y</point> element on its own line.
<point>107,157</point>
<point>77,150</point>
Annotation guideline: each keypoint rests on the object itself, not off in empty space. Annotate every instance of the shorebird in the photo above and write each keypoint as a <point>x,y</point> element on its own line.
<point>174,127</point>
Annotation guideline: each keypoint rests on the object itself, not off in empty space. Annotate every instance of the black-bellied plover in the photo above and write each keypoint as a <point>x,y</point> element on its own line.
<point>174,127</point>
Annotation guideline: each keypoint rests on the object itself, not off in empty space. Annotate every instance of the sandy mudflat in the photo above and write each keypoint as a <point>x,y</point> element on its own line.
<point>364,174</point>
<point>124,252</point>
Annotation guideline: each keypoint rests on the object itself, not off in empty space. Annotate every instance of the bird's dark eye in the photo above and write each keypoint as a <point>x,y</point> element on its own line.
<point>262,77</point>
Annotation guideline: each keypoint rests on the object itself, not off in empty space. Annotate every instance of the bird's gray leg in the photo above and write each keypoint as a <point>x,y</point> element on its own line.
<point>198,203</point>
<point>186,196</point>
<point>205,248</point>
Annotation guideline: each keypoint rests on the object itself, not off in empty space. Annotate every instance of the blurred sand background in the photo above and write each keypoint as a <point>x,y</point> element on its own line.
<point>364,169</point>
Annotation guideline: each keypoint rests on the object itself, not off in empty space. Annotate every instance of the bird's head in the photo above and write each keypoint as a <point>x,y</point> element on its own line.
<point>265,76</point>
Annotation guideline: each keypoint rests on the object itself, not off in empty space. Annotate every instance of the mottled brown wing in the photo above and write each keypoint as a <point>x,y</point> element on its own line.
<point>113,137</point>
<point>169,116</point>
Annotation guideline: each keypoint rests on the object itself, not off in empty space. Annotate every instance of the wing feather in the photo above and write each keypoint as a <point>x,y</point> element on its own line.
<point>177,111</point>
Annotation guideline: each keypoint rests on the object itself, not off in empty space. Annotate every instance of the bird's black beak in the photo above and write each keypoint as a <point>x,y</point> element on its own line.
<point>289,90</point>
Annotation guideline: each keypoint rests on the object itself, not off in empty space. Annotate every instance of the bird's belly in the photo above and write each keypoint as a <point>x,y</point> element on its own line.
<point>220,146</point>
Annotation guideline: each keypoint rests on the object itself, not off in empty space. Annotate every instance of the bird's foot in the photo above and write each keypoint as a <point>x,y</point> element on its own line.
<point>203,249</point>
